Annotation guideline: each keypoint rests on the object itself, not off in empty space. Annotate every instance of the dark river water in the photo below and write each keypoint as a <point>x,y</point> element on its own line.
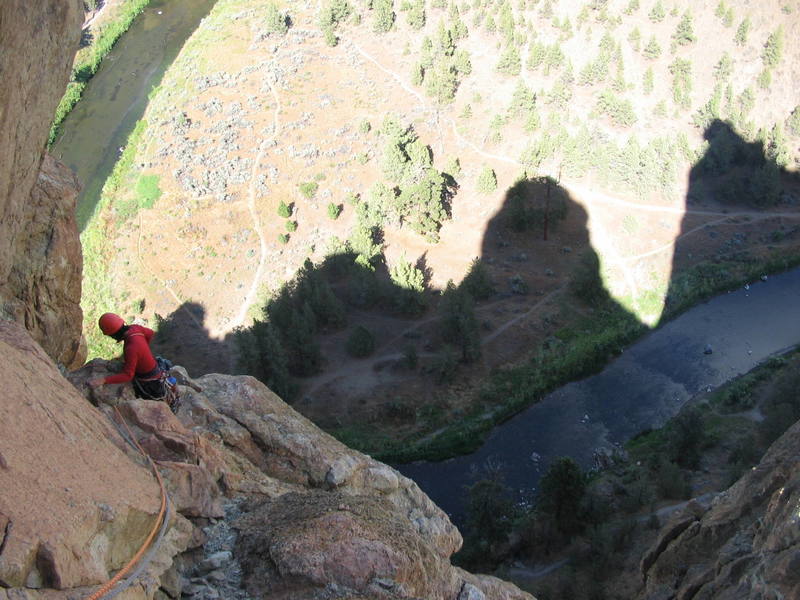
<point>116,97</point>
<point>643,387</point>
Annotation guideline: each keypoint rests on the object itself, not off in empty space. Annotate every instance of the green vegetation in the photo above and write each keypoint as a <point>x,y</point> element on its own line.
<point>773,49</point>
<point>145,195</point>
<point>618,109</point>
<point>424,195</point>
<point>442,65</point>
<point>652,50</point>
<point>382,15</point>
<point>410,282</point>
<point>275,21</point>
<point>334,210</point>
<point>284,210</point>
<point>487,180</point>
<point>87,61</point>
<point>681,70</point>
<point>742,31</point>
<point>684,33</point>
<point>360,343</point>
<point>291,226</point>
<point>657,13</point>
<point>457,323</point>
<point>308,189</point>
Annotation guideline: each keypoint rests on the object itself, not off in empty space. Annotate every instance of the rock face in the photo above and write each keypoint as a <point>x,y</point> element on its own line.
<point>73,506</point>
<point>320,520</point>
<point>746,545</point>
<point>40,257</point>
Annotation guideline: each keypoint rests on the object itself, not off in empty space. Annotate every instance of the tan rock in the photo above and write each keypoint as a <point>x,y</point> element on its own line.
<point>746,545</point>
<point>75,506</point>
<point>40,257</point>
<point>303,544</point>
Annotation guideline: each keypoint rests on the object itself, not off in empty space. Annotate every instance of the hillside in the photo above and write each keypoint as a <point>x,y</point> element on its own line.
<point>543,88</point>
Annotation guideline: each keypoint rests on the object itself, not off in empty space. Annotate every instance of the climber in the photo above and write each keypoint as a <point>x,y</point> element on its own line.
<point>140,366</point>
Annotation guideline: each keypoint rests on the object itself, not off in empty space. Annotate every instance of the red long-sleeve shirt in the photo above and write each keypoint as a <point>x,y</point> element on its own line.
<point>138,358</point>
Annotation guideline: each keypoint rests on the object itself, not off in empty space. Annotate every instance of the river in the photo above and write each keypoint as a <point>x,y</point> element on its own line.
<point>93,134</point>
<point>642,388</point>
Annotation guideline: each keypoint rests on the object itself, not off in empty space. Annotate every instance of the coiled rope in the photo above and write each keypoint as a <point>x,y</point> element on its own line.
<point>160,524</point>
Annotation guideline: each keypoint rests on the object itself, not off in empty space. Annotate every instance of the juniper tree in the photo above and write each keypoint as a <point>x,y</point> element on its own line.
<point>684,32</point>
<point>742,31</point>
<point>457,323</point>
<point>657,13</point>
<point>487,180</point>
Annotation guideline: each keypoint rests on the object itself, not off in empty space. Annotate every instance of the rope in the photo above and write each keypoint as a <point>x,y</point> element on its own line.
<point>159,524</point>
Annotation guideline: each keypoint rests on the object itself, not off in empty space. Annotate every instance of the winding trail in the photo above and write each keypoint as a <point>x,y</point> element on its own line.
<point>602,238</point>
<point>250,297</point>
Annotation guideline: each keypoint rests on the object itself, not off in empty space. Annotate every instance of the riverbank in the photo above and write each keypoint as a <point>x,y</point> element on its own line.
<point>716,438</point>
<point>581,349</point>
<point>103,33</point>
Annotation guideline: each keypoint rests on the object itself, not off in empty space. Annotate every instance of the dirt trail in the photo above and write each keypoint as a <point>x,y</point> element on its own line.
<point>601,238</point>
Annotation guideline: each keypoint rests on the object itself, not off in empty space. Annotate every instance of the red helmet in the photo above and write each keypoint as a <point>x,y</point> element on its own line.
<point>110,323</point>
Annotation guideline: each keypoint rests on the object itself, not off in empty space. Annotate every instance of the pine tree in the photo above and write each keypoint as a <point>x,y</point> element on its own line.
<point>457,322</point>
<point>741,33</point>
<point>509,62</point>
<point>383,15</point>
<point>657,13</point>
<point>684,32</point>
<point>487,181</point>
<point>276,21</point>
<point>652,50</point>
<point>773,48</point>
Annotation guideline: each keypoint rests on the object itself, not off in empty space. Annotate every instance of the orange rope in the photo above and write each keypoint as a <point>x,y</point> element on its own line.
<point>111,582</point>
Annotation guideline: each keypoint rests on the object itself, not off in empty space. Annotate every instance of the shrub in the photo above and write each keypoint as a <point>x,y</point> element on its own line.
<point>652,50</point>
<point>684,32</point>
<point>561,491</point>
<point>364,127</point>
<point>383,15</point>
<point>773,48</point>
<point>487,180</point>
<point>360,343</point>
<point>291,226</point>
<point>586,283</point>
<point>309,188</point>
<point>741,32</point>
<point>275,22</point>
<point>657,13</point>
<point>284,210</point>
<point>334,210</point>
<point>283,238</point>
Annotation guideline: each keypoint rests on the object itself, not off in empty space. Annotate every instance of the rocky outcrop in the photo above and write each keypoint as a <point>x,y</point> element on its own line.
<point>74,507</point>
<point>40,257</point>
<point>746,545</point>
<point>319,521</point>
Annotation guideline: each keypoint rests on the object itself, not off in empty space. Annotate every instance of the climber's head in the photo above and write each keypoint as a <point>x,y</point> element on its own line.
<point>111,324</point>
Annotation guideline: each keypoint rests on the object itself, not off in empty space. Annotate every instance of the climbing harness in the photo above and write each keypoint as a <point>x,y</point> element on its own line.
<point>157,533</point>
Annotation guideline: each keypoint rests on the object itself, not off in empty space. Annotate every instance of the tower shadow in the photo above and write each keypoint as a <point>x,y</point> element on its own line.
<point>183,338</point>
<point>747,180</point>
